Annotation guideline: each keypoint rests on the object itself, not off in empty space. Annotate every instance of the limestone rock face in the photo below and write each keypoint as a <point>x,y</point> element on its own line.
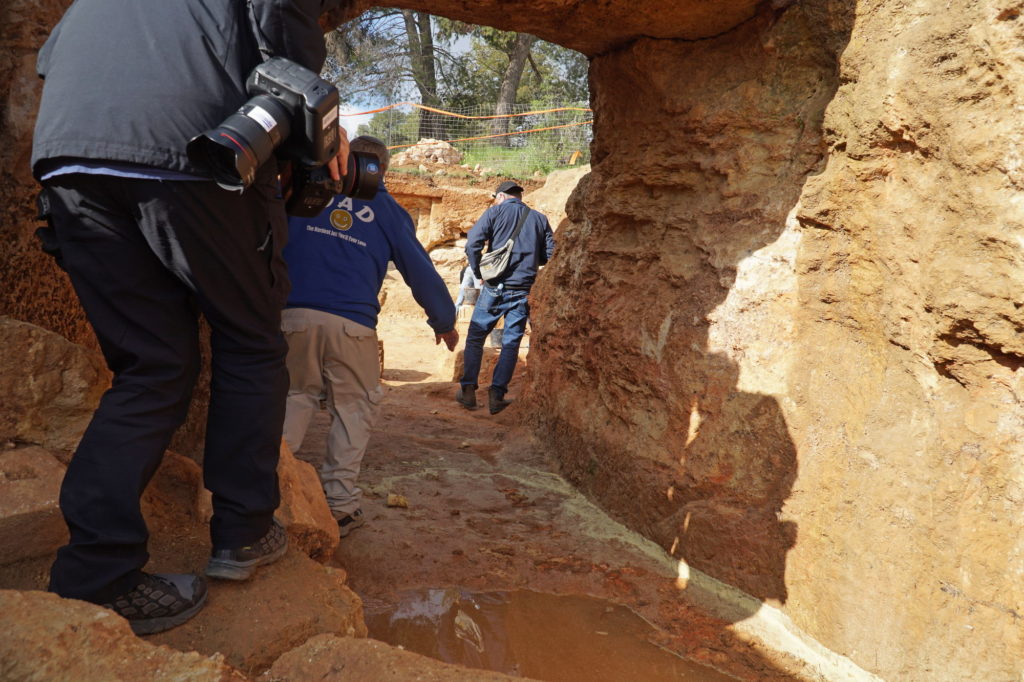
<point>630,381</point>
<point>551,199</point>
<point>782,335</point>
<point>35,289</point>
<point>49,387</point>
<point>66,639</point>
<point>31,524</point>
<point>304,510</point>
<point>255,621</point>
<point>910,275</point>
<point>441,214</point>
<point>782,332</point>
<point>590,27</point>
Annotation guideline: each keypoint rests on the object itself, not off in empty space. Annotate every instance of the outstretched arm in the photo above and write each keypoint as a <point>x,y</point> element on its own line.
<point>418,271</point>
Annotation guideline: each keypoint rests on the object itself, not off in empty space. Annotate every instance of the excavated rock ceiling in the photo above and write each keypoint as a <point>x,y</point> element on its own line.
<point>590,26</point>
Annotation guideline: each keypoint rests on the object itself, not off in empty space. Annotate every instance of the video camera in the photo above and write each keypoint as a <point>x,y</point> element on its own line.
<point>294,111</point>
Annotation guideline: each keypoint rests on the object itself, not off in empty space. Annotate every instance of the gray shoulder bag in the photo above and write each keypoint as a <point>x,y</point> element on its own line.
<point>494,263</point>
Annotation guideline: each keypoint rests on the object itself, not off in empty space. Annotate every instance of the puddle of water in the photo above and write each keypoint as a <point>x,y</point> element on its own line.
<point>546,637</point>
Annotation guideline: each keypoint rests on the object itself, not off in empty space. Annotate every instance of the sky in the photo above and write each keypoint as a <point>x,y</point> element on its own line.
<point>351,123</point>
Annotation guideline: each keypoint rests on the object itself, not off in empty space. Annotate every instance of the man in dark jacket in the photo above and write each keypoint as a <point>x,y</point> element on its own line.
<point>149,244</point>
<point>507,295</point>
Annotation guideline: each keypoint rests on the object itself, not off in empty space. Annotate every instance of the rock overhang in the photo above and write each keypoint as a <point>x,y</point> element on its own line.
<point>592,27</point>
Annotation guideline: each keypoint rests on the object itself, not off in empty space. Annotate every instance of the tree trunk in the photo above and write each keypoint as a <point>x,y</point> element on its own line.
<point>424,71</point>
<point>510,82</point>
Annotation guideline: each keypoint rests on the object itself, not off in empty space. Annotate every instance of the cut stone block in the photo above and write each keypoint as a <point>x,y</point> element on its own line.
<point>454,364</point>
<point>253,622</point>
<point>31,524</point>
<point>304,511</point>
<point>49,638</point>
<point>49,387</point>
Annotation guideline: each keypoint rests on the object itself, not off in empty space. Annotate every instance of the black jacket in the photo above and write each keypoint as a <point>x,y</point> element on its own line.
<point>534,245</point>
<point>133,80</point>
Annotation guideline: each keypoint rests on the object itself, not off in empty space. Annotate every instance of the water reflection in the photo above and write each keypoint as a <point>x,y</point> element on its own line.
<point>542,636</point>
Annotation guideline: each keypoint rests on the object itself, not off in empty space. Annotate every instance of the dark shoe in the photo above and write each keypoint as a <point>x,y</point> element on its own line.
<point>466,397</point>
<point>349,522</point>
<point>239,564</point>
<point>160,601</point>
<point>496,401</point>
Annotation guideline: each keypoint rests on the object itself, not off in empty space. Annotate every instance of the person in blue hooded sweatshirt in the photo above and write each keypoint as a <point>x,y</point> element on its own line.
<point>337,262</point>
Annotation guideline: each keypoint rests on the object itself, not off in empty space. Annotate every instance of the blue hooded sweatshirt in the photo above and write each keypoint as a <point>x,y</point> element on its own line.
<point>337,261</point>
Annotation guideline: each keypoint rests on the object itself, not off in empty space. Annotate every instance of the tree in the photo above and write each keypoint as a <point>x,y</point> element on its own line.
<point>383,53</point>
<point>517,57</point>
<point>420,35</point>
<point>399,54</point>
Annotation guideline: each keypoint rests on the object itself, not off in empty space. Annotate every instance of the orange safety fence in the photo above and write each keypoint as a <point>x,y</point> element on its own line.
<point>453,114</point>
<point>515,132</point>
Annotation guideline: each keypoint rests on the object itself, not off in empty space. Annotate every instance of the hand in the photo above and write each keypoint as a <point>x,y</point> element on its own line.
<point>451,339</point>
<point>339,164</point>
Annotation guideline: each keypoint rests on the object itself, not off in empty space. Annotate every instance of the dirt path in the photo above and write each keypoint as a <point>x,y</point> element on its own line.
<point>487,512</point>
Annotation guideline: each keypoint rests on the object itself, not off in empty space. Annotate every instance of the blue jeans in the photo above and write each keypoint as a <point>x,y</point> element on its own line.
<point>492,305</point>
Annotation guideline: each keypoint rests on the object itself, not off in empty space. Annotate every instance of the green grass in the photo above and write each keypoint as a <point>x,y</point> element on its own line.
<point>518,163</point>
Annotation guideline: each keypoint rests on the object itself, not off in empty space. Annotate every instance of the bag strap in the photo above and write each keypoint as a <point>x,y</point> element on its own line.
<point>522,219</point>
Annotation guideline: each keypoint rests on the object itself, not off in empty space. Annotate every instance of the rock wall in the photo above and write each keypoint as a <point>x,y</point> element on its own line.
<point>34,289</point>
<point>782,335</point>
<point>907,388</point>
<point>694,186</point>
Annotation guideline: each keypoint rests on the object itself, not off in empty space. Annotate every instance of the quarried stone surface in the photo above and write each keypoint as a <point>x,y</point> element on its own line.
<point>441,214</point>
<point>282,606</point>
<point>590,27</point>
<point>31,524</point>
<point>906,372</point>
<point>552,198</point>
<point>66,639</point>
<point>303,511</point>
<point>782,336</point>
<point>49,387</point>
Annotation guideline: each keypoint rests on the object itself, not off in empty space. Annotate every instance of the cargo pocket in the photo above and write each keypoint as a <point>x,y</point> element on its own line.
<point>276,235</point>
<point>365,346</point>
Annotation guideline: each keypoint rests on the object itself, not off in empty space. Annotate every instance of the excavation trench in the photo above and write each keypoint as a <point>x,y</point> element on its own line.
<point>497,562</point>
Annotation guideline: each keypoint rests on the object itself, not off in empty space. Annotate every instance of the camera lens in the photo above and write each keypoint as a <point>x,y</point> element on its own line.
<point>233,151</point>
<point>363,176</point>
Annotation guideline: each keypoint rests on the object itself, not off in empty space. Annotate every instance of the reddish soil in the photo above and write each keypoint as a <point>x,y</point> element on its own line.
<point>488,512</point>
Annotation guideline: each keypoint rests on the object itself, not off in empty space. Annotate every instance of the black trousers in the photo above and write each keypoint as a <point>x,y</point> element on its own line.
<point>145,258</point>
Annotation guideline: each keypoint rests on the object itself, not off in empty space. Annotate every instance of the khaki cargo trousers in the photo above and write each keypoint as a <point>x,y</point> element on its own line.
<point>334,359</point>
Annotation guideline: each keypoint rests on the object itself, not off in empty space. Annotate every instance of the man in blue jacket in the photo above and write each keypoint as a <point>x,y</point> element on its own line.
<point>150,244</point>
<point>507,295</point>
<point>338,262</point>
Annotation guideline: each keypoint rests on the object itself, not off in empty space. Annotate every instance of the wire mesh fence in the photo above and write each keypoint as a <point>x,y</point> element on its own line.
<point>520,142</point>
